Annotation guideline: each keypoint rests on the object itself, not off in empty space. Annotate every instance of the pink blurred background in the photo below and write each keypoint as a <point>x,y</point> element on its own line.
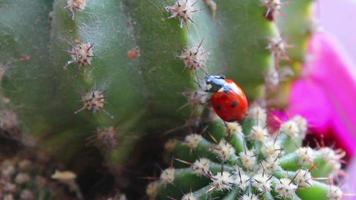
<point>338,17</point>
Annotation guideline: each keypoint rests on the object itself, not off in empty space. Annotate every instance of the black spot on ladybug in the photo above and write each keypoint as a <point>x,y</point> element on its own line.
<point>218,107</point>
<point>233,104</point>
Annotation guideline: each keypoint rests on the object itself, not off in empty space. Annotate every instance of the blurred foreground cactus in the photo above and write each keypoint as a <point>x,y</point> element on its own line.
<point>248,163</point>
<point>27,178</point>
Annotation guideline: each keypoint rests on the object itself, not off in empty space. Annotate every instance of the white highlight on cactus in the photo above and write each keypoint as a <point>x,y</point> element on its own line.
<point>82,54</point>
<point>249,196</point>
<point>152,190</point>
<point>224,150</point>
<point>302,125</point>
<point>290,128</point>
<point>285,188</point>
<point>331,157</point>
<point>278,47</point>
<point>167,175</point>
<point>183,10</point>
<point>272,77</point>
<point>93,101</point>
<point>222,181</point>
<point>271,149</point>
<point>305,156</point>
<point>270,165</point>
<point>201,166</point>
<point>262,182</point>
<point>189,196</point>
<point>303,178</point>
<point>334,193</point>
<point>248,159</point>
<point>258,134</point>
<point>233,128</point>
<point>75,6</point>
<point>193,140</point>
<point>273,6</point>
<point>194,58</point>
<point>259,115</point>
<point>241,179</point>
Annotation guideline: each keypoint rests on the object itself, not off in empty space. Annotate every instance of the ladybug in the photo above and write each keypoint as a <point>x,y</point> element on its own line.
<point>227,99</point>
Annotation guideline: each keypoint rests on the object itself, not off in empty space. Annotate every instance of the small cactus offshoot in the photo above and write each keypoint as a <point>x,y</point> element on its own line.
<point>229,161</point>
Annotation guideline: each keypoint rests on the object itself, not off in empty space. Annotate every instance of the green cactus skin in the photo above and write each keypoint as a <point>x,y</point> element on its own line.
<point>296,26</point>
<point>234,162</point>
<point>141,95</point>
<point>295,22</point>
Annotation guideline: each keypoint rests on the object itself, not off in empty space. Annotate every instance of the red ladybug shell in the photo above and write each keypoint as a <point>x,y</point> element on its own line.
<point>230,105</point>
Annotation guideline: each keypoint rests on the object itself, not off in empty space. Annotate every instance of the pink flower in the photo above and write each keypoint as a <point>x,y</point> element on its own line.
<point>326,93</point>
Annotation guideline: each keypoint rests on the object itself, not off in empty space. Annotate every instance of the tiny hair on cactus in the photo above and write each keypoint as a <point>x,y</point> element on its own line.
<point>201,166</point>
<point>105,138</point>
<point>81,54</point>
<point>334,193</point>
<point>285,188</point>
<point>258,134</point>
<point>75,6</point>
<point>224,150</point>
<point>93,101</point>
<point>254,166</point>
<point>259,115</point>
<point>195,98</point>
<point>272,77</point>
<point>273,8</point>
<point>248,159</point>
<point>303,178</point>
<point>233,128</point>
<point>193,140</point>
<point>278,48</point>
<point>189,196</point>
<point>290,128</point>
<point>305,156</point>
<point>194,58</point>
<point>167,175</point>
<point>183,10</point>
<point>222,181</point>
<point>262,182</point>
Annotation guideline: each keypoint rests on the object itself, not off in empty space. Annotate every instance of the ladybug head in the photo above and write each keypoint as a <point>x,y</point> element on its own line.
<point>214,82</point>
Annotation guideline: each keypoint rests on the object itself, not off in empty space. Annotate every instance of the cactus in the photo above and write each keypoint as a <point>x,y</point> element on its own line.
<point>233,161</point>
<point>71,67</point>
<point>296,25</point>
